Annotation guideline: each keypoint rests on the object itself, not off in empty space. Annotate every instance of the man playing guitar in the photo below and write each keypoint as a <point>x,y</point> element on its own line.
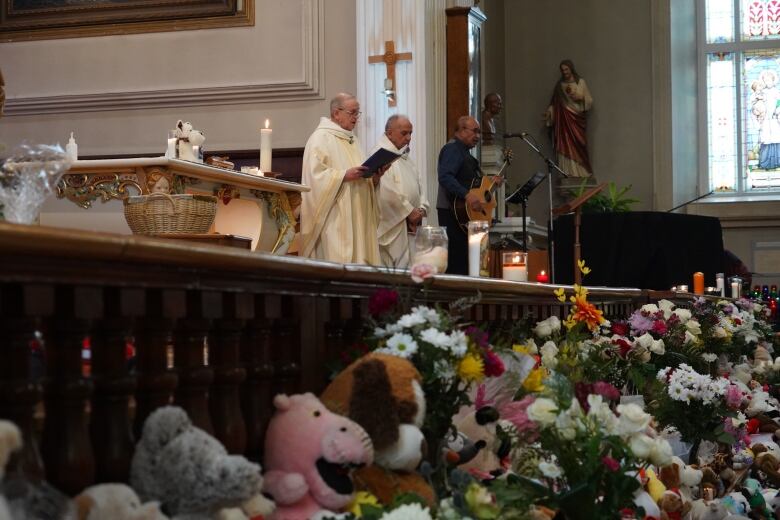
<point>457,170</point>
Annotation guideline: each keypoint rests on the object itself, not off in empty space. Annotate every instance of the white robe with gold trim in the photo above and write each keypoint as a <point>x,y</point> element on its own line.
<point>338,219</point>
<point>400,192</point>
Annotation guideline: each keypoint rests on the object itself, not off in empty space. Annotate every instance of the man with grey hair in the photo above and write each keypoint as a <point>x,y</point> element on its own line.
<point>339,216</point>
<point>402,205</point>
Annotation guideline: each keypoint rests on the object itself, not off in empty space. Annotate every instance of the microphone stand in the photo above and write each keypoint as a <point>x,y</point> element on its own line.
<point>690,201</point>
<point>550,167</point>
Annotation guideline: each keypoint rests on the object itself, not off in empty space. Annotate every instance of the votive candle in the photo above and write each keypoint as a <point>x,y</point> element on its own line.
<point>542,277</point>
<point>265,147</point>
<point>514,266</point>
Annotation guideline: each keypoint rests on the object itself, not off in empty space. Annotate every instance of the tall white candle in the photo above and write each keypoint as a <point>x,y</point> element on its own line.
<point>735,289</point>
<point>475,245</point>
<point>265,147</point>
<point>516,273</point>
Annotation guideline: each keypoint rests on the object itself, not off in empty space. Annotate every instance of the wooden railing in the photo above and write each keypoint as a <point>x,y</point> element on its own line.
<point>217,331</point>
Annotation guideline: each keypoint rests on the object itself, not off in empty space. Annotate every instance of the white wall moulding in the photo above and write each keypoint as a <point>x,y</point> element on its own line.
<point>174,70</point>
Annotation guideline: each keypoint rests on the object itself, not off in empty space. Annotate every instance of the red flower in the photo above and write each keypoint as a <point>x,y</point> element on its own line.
<point>620,328</point>
<point>494,367</point>
<point>610,463</point>
<point>659,327</point>
<point>624,345</point>
<point>382,301</point>
<point>606,390</point>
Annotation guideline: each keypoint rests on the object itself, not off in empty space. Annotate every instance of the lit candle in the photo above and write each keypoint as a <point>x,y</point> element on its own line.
<point>682,288</point>
<point>542,277</point>
<point>475,249</point>
<point>735,289</point>
<point>170,152</point>
<point>719,284</point>
<point>698,283</point>
<point>437,256</point>
<point>265,147</point>
<point>514,267</point>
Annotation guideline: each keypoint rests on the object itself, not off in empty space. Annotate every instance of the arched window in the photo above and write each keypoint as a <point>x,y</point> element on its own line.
<point>739,53</point>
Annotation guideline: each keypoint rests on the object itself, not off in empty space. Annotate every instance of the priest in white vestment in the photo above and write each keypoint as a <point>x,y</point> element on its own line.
<point>339,216</point>
<point>402,205</point>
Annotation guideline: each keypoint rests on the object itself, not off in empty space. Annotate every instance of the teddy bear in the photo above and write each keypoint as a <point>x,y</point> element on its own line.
<point>310,453</point>
<point>115,501</point>
<point>672,505</point>
<point>187,470</point>
<point>765,466</point>
<point>383,393</point>
<point>680,476</point>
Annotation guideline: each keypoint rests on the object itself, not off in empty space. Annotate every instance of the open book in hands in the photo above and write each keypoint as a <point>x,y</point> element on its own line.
<point>378,160</point>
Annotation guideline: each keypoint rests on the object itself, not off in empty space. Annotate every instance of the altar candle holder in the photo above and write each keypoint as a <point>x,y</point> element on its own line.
<point>736,286</point>
<point>698,283</point>
<point>514,266</point>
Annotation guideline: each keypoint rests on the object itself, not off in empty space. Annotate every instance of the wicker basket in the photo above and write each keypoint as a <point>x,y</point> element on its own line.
<point>163,213</point>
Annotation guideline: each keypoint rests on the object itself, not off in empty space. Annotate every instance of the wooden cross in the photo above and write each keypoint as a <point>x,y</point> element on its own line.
<point>390,58</point>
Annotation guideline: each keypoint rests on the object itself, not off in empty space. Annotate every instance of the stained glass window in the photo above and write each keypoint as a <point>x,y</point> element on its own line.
<point>760,19</point>
<point>742,86</point>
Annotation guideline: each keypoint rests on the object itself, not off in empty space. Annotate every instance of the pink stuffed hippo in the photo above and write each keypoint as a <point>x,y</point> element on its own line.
<point>309,455</point>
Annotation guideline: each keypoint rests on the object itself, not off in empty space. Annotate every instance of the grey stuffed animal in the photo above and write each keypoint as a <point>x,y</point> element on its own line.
<point>187,470</point>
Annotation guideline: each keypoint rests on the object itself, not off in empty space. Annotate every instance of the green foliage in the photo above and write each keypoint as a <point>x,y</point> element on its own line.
<point>614,201</point>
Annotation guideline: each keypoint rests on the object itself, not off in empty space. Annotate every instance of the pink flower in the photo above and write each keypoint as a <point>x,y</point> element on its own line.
<point>606,390</point>
<point>610,463</point>
<point>733,397</point>
<point>515,412</point>
<point>422,272</point>
<point>659,327</point>
<point>382,302</point>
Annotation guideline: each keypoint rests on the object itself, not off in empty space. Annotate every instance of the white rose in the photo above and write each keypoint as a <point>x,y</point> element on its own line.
<point>658,347</point>
<point>632,419</point>
<point>719,332</point>
<point>683,314</point>
<point>693,326</point>
<point>542,411</point>
<point>650,307</point>
<point>645,340</point>
<point>661,454</point>
<point>689,338</point>
<point>547,327</point>
<point>667,307</point>
<point>548,352</point>
<point>641,445</point>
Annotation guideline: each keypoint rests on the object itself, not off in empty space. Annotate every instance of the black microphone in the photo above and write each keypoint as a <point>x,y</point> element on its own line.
<point>521,135</point>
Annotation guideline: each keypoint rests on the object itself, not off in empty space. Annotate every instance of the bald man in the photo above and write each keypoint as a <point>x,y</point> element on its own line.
<point>402,205</point>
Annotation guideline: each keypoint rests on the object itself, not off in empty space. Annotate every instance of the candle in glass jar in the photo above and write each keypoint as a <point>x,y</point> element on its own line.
<point>436,256</point>
<point>735,289</point>
<point>475,248</point>
<point>514,267</point>
<point>542,277</point>
<point>265,147</point>
<point>698,283</point>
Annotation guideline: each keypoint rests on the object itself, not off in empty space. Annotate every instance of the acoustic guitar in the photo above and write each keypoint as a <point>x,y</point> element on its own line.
<point>483,187</point>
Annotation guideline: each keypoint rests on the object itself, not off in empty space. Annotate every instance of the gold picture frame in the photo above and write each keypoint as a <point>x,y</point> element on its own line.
<point>22,20</point>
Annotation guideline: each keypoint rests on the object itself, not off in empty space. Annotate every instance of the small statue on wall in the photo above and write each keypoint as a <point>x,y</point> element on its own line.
<point>493,106</point>
<point>567,118</point>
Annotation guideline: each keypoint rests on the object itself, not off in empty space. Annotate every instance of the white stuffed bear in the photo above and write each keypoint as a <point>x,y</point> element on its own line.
<point>115,501</point>
<point>187,470</point>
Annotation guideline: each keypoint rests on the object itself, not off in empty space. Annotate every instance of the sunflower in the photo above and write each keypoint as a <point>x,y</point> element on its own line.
<point>471,368</point>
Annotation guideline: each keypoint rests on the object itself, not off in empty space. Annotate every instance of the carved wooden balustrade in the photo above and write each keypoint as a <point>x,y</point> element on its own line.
<point>217,331</point>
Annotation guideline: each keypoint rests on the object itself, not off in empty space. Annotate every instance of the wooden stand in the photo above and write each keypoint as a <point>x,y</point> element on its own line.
<point>575,206</point>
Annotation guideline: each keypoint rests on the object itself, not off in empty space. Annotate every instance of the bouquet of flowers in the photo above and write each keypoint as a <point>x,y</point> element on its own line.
<point>700,407</point>
<point>588,455</point>
<point>449,356</point>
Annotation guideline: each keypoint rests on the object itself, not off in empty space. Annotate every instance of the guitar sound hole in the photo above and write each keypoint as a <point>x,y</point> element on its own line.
<point>488,196</point>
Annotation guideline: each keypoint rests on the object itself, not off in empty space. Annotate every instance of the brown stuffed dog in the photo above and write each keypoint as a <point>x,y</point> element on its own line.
<point>383,394</point>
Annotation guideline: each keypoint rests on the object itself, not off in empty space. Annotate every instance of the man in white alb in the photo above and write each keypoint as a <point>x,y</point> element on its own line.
<point>339,216</point>
<point>402,205</point>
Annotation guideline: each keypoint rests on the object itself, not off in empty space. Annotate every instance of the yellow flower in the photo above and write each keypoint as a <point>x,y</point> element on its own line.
<point>583,268</point>
<point>533,383</point>
<point>529,347</point>
<point>362,498</point>
<point>471,368</point>
<point>580,291</point>
<point>561,294</point>
<point>570,322</point>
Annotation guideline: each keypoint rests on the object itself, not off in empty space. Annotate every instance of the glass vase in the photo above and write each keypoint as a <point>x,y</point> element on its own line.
<point>478,247</point>
<point>431,247</point>
<point>28,178</point>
